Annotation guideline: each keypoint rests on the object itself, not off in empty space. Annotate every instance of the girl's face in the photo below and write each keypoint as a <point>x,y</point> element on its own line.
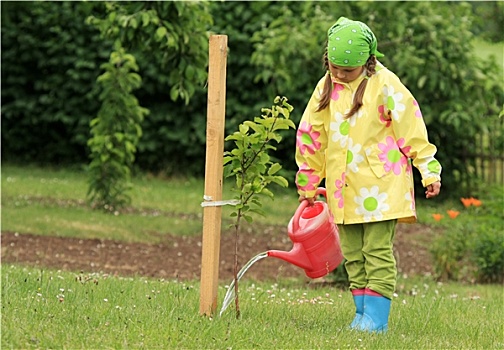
<point>345,74</point>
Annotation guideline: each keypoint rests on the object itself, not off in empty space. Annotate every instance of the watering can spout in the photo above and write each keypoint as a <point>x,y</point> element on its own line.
<point>296,256</point>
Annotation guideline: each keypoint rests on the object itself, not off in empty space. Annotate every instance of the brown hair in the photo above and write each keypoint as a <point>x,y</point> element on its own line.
<point>359,94</point>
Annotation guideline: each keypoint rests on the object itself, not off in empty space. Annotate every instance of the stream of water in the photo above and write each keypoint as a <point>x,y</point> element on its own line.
<point>230,294</point>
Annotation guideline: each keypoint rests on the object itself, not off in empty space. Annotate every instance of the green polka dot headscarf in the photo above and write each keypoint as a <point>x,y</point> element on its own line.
<point>350,43</point>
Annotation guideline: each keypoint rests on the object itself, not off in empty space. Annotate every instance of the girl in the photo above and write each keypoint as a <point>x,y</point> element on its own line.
<point>361,131</point>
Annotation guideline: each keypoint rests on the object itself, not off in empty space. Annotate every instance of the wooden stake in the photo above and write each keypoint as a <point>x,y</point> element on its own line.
<point>213,173</point>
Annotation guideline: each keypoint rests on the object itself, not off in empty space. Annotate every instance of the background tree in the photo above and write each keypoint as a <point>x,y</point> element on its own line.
<point>158,29</point>
<point>170,42</point>
<point>115,133</point>
<point>50,62</point>
<point>488,20</point>
<point>51,59</point>
<point>172,34</point>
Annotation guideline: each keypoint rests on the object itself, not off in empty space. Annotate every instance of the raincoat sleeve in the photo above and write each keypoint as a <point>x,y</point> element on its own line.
<point>411,132</point>
<point>311,143</point>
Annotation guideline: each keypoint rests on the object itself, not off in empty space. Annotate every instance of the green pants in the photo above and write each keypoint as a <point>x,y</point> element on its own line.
<point>368,250</point>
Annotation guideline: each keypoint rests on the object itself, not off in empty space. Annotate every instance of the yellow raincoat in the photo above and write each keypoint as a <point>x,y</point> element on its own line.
<point>366,159</point>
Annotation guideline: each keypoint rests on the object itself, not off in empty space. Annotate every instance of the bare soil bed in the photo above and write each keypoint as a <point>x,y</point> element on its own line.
<point>180,257</point>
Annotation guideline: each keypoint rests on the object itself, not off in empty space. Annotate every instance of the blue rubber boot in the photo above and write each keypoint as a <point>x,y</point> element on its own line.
<point>358,297</point>
<point>376,313</point>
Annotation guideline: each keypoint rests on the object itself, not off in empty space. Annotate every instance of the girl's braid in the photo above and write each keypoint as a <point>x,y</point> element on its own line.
<point>325,97</point>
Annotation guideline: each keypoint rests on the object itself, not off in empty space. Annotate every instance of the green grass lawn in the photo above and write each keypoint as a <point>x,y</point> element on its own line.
<point>53,202</point>
<point>53,309</point>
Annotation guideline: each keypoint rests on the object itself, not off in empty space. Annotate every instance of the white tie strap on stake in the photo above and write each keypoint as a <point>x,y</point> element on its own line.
<point>209,202</point>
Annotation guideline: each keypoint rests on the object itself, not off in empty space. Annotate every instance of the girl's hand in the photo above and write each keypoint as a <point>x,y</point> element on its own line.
<point>433,190</point>
<point>310,200</point>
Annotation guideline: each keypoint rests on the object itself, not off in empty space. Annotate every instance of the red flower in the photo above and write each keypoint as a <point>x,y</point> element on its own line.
<point>437,216</point>
<point>453,213</point>
<point>466,202</point>
<point>476,202</point>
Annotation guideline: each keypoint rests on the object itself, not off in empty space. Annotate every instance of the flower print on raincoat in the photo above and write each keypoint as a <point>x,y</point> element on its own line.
<point>339,192</point>
<point>392,157</point>
<point>305,179</point>
<point>388,136</point>
<point>306,140</point>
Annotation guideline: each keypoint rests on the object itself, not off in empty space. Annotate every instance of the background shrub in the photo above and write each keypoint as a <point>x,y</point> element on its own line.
<point>50,62</point>
<point>472,247</point>
<point>452,254</point>
<point>488,255</point>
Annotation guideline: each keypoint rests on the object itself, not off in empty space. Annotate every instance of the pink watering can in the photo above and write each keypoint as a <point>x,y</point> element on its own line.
<point>315,237</point>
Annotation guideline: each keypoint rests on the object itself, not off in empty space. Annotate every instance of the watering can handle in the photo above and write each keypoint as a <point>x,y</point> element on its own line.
<point>321,191</point>
<point>302,207</point>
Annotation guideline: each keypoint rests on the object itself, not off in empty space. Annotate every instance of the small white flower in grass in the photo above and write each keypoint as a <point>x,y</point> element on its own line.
<point>404,301</point>
<point>395,295</point>
<point>105,300</point>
